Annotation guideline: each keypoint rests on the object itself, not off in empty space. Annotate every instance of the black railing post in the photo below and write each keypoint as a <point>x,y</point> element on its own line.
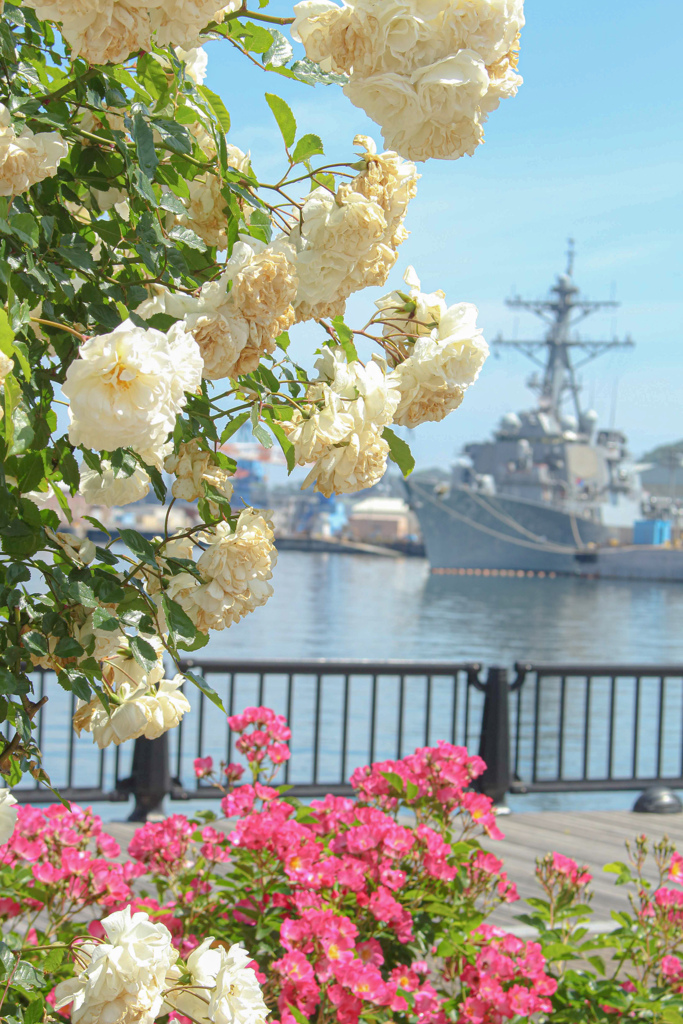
<point>150,779</point>
<point>494,745</point>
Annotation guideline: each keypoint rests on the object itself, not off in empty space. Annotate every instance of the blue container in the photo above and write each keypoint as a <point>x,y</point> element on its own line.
<point>652,531</point>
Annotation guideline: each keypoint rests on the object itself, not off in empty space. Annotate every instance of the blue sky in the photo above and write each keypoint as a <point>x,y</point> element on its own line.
<point>591,147</point>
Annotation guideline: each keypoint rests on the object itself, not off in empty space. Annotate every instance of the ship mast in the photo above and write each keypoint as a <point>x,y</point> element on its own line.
<point>562,311</point>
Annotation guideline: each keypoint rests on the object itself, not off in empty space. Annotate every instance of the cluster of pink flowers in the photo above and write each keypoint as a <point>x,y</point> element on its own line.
<point>506,980</point>
<point>162,846</point>
<point>325,961</point>
<point>672,972</point>
<point>203,768</point>
<point>561,876</point>
<point>268,739</point>
<point>432,775</point>
<point>485,866</point>
<point>70,858</point>
<point>339,887</point>
<point>568,869</point>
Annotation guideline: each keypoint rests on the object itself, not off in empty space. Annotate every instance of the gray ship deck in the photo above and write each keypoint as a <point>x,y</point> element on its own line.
<point>592,837</point>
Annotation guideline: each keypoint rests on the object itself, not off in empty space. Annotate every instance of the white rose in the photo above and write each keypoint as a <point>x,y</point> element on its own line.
<point>8,815</point>
<point>100,31</point>
<point>112,491</point>
<point>26,159</point>
<point>356,464</point>
<point>429,140</point>
<point>488,26</point>
<point>313,21</point>
<point>322,428</point>
<point>236,567</point>
<point>453,88</point>
<point>461,351</point>
<point>429,308</point>
<point>126,388</point>
<point>196,61</point>
<point>387,98</point>
<point>192,466</point>
<point>222,988</point>
<point>125,721</point>
<point>206,211</point>
<point>370,395</point>
<point>123,979</point>
<point>167,707</point>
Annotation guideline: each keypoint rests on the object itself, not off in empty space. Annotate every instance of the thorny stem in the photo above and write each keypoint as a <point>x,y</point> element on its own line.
<point>266,17</point>
<point>61,327</point>
<point>58,93</point>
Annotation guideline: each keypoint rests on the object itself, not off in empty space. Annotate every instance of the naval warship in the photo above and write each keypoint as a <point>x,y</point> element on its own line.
<point>551,493</point>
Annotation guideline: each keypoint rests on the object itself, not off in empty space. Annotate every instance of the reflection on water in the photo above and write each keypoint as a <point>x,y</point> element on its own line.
<point>354,607</point>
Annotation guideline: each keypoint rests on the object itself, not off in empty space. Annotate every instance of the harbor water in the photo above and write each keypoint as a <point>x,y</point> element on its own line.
<point>355,607</point>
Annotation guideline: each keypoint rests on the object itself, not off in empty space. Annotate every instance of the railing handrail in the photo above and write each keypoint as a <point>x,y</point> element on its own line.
<point>312,666</point>
<point>606,669</point>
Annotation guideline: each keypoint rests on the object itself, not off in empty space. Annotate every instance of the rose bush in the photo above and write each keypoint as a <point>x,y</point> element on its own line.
<point>373,908</point>
<point>149,279</point>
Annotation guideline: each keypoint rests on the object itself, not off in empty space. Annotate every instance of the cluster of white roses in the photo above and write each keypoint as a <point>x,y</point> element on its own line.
<point>141,703</point>
<point>193,467</point>
<point>347,241</point>
<point>133,977</point>
<point>434,353</point>
<point>109,31</point>
<point>235,319</point>
<point>235,569</point>
<point>26,158</point>
<point>340,430</point>
<point>428,71</point>
<point>436,350</point>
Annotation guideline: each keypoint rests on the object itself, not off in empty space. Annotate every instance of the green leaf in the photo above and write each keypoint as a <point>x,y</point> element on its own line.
<point>35,642</point>
<point>140,547</point>
<point>282,439</point>
<point>306,147</point>
<point>35,1010</point>
<point>179,623</point>
<point>201,684</point>
<point>176,136</point>
<point>144,143</point>
<point>27,976</point>
<point>97,524</point>
<point>188,237</point>
<point>233,426</point>
<point>284,117</point>
<point>345,335</point>
<point>68,648</point>
<point>52,960</point>
<point>143,652</point>
<point>297,1014</point>
<point>262,435</point>
<point>218,107</point>
<point>280,52</point>
<point>9,348</point>
<point>103,619</point>
<point>399,452</point>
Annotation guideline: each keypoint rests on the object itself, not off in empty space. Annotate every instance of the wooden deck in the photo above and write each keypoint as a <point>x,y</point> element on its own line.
<point>592,837</point>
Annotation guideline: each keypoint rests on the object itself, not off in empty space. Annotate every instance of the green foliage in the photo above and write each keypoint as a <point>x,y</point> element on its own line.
<point>80,251</point>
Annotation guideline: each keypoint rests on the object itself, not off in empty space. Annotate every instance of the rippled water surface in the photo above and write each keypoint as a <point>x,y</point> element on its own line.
<point>352,607</point>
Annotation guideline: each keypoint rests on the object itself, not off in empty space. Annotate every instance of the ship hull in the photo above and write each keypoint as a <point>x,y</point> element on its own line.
<point>466,532</point>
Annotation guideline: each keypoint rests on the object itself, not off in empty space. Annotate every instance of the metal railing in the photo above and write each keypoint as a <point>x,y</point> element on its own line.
<point>343,714</point>
<point>596,727</point>
<point>554,728</point>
